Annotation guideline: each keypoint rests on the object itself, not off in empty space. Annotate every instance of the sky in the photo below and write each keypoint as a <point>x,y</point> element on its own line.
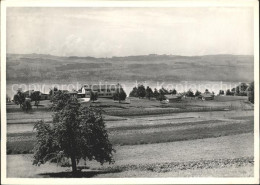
<point>107,32</point>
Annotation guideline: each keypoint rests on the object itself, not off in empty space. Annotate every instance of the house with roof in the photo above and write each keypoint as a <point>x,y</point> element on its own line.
<point>103,91</point>
<point>42,95</point>
<point>173,98</point>
<point>206,96</point>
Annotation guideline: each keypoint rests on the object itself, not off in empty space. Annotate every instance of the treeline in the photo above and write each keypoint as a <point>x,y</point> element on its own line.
<point>241,90</point>
<point>25,104</point>
<point>141,92</point>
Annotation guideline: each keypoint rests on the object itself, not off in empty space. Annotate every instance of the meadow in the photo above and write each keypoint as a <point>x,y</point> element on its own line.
<point>153,138</point>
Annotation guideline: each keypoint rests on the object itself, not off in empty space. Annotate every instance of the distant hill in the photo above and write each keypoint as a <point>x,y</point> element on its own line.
<point>38,67</point>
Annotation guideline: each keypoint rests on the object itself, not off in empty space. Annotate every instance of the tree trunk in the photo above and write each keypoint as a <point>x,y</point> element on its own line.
<point>73,163</point>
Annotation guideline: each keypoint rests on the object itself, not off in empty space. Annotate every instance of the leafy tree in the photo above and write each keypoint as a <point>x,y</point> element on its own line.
<point>134,93</point>
<point>164,91</point>
<point>36,97</point>
<point>141,91</point>
<point>190,93</point>
<point>119,94</point>
<point>59,100</point>
<point>161,95</point>
<point>149,92</point>
<point>240,89</point>
<point>237,90</point>
<point>156,93</point>
<point>173,91</point>
<point>251,96</point>
<point>76,132</point>
<point>243,87</point>
<point>19,98</point>
<point>197,93</point>
<point>93,96</point>
<point>221,92</point>
<point>206,91</point>
<point>229,93</point>
<point>26,106</point>
<point>52,92</point>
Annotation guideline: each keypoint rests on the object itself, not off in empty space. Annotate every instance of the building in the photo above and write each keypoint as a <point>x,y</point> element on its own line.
<point>173,98</point>
<point>42,95</point>
<point>206,96</point>
<point>103,91</point>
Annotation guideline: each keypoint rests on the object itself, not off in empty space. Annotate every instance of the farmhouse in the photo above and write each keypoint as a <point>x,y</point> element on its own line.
<point>42,95</point>
<point>103,91</point>
<point>206,96</point>
<point>173,98</point>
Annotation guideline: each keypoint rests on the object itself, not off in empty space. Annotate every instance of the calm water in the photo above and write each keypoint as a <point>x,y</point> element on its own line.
<point>214,86</point>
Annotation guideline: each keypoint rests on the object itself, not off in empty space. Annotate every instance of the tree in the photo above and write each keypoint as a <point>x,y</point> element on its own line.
<point>36,97</point>
<point>240,90</point>
<point>161,95</point>
<point>52,92</point>
<point>221,92</point>
<point>134,93</point>
<point>148,92</point>
<point>164,91</point>
<point>119,94</point>
<point>76,132</point>
<point>237,92</point>
<point>19,98</point>
<point>141,91</point>
<point>190,93</point>
<point>229,93</point>
<point>26,106</point>
<point>173,91</point>
<point>59,100</point>
<point>197,93</point>
<point>93,96</point>
<point>250,94</point>
<point>156,93</point>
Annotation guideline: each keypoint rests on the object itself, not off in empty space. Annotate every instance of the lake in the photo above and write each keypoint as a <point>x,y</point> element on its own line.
<point>212,86</point>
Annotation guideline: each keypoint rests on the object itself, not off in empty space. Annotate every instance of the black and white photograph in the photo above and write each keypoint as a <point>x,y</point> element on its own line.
<point>123,90</point>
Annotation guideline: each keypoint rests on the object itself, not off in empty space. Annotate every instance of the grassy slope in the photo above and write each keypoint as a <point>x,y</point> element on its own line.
<point>152,156</point>
<point>23,142</point>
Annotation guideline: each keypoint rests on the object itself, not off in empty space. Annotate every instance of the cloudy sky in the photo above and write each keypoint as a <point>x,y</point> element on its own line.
<point>106,32</point>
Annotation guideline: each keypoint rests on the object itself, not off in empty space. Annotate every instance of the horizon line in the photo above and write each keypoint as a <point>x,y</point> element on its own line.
<point>132,55</point>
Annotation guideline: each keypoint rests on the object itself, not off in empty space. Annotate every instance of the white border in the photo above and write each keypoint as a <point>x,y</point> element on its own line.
<point>147,3</point>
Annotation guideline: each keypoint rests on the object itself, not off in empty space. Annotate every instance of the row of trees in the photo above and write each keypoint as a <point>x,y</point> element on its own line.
<point>141,92</point>
<point>25,104</point>
<point>239,90</point>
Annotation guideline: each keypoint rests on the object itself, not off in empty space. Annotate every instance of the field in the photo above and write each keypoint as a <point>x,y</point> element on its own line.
<point>191,138</point>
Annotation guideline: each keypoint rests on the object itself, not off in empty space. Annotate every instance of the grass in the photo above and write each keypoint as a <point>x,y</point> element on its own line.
<point>137,135</point>
<point>142,112</point>
<point>181,135</point>
<point>227,148</point>
<point>176,166</point>
<point>20,147</point>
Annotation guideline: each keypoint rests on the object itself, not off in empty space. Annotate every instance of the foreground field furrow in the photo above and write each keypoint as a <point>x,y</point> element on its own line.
<point>190,165</point>
<point>19,143</point>
<point>230,154</point>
